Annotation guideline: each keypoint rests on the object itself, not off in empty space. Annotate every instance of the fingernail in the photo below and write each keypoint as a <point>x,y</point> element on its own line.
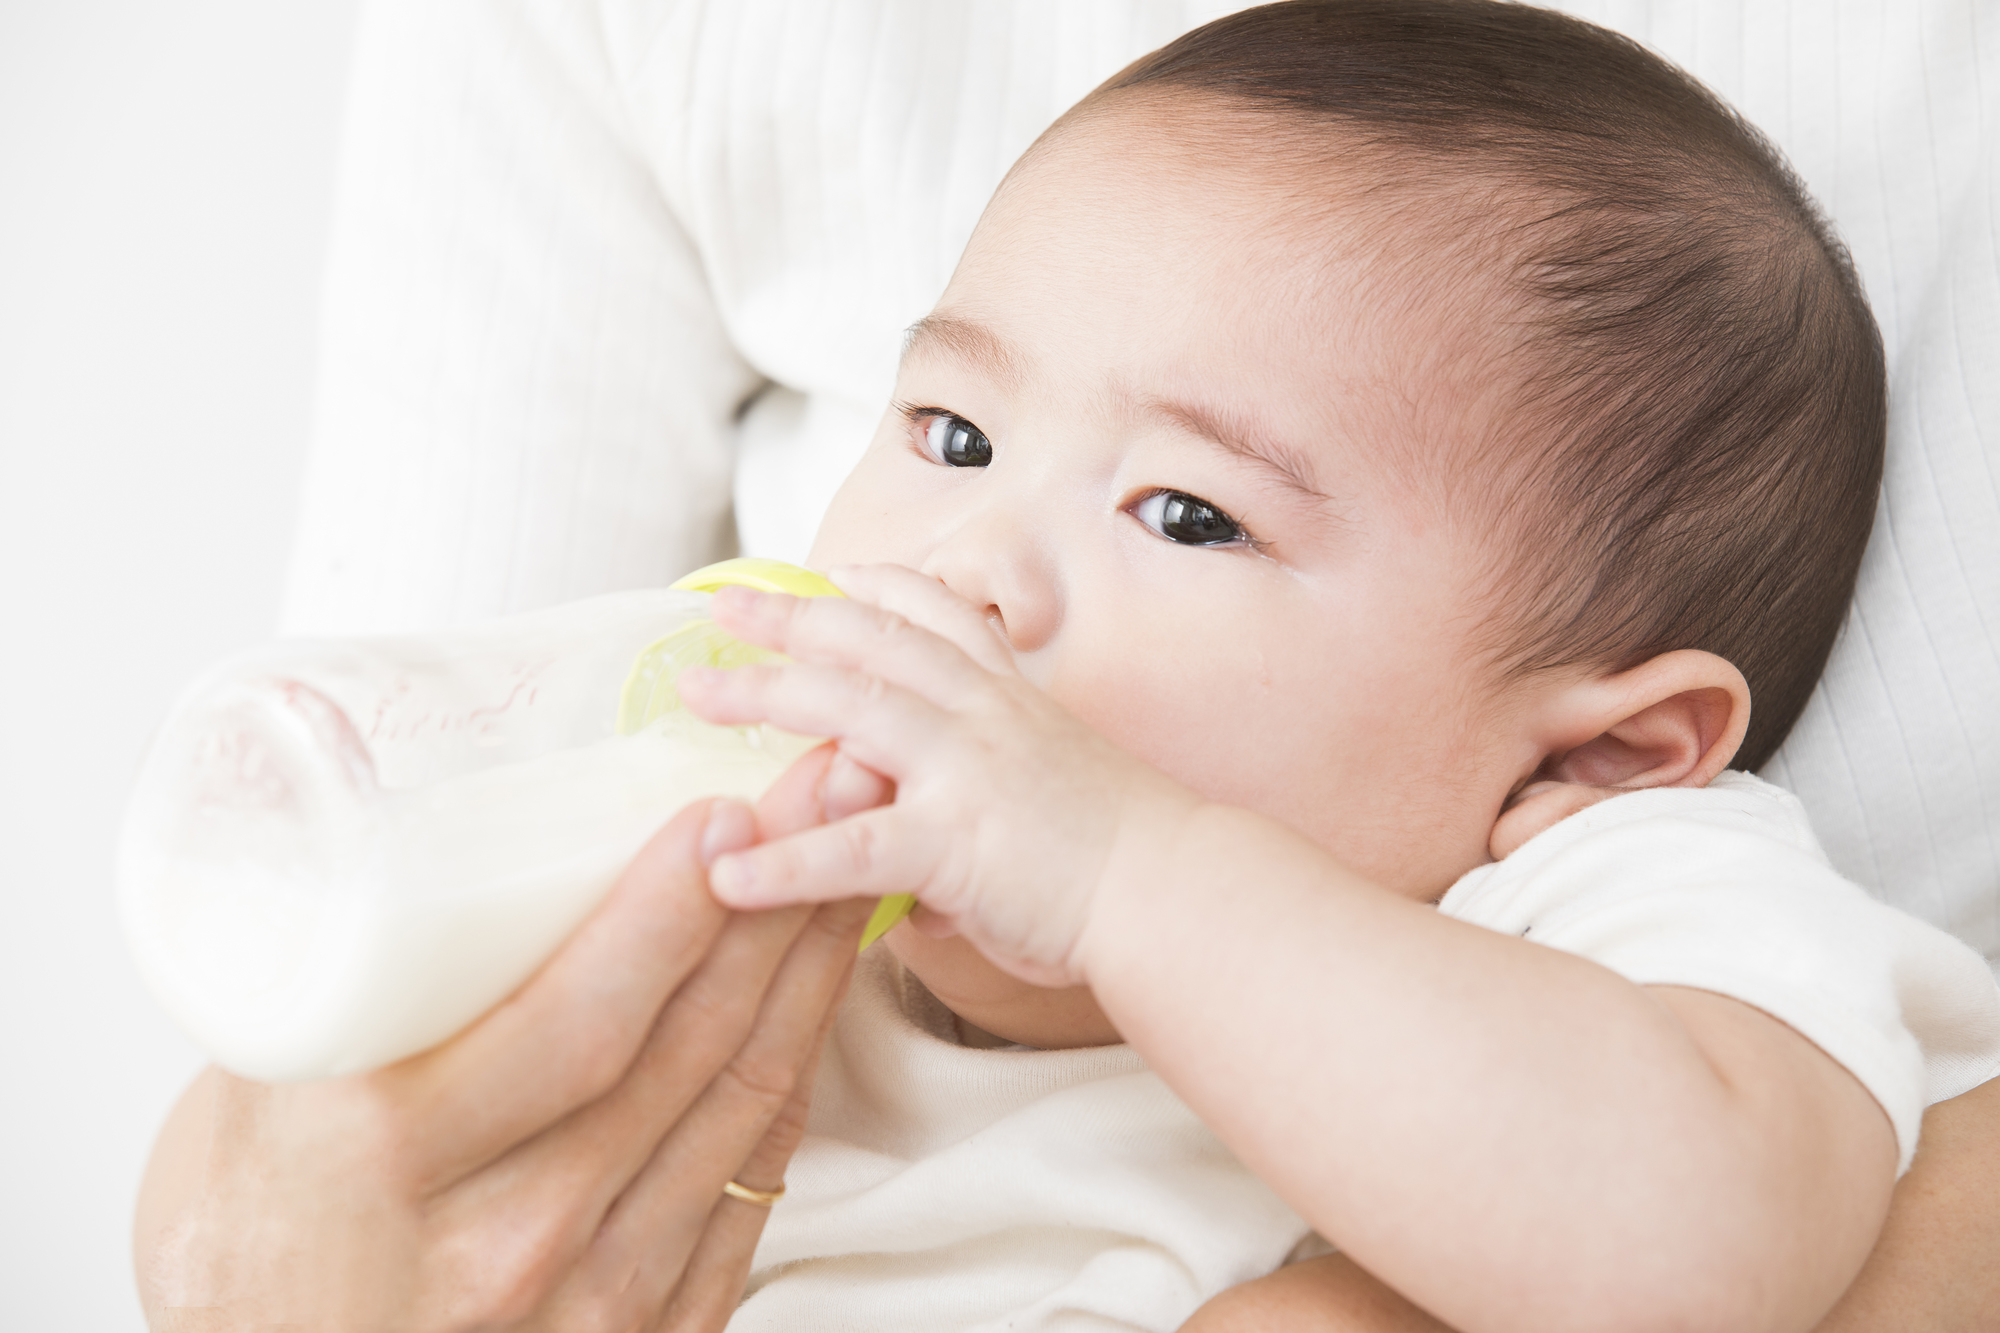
<point>732,878</point>
<point>730,828</point>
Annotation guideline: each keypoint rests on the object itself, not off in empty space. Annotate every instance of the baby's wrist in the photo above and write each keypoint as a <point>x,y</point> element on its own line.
<point>1151,898</point>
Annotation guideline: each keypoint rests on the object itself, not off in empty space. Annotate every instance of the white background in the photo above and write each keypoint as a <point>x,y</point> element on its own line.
<point>165,178</point>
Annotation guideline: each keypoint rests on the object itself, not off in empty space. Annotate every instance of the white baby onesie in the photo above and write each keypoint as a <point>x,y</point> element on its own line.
<point>942,1187</point>
<point>1725,889</point>
<point>945,1187</point>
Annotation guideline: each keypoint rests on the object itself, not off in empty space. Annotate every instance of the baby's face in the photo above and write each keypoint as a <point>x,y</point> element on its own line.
<point>1169,443</point>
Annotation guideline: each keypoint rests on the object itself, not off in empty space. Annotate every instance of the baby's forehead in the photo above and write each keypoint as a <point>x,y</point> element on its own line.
<point>1378,236</point>
<point>1287,329</point>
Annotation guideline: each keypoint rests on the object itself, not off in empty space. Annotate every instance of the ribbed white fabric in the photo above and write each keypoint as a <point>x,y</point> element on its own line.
<point>589,256</point>
<point>594,258</point>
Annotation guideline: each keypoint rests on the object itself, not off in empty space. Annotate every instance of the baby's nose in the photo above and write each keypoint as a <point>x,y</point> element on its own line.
<point>1004,576</point>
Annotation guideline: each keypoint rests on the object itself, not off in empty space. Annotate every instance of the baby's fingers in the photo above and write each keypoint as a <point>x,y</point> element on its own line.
<point>879,725</point>
<point>839,632</point>
<point>927,602</point>
<point>876,853</point>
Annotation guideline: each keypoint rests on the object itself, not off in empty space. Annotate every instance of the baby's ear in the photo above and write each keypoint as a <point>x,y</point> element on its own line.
<point>1674,720</point>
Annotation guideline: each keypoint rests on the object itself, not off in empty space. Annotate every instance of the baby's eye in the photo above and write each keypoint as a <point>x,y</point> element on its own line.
<point>1188,519</point>
<point>956,442</point>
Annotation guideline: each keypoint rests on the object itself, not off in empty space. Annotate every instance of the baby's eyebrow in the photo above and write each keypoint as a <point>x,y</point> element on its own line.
<point>967,341</point>
<point>974,343</point>
<point>1288,466</point>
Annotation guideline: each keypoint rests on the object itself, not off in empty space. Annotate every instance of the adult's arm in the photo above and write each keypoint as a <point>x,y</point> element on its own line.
<point>526,394</point>
<point>1936,1268</point>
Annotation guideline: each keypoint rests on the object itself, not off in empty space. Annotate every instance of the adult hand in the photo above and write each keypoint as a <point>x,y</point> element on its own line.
<point>560,1164</point>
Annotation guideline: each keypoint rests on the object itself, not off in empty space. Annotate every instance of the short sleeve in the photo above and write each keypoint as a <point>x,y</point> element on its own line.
<point>1726,890</point>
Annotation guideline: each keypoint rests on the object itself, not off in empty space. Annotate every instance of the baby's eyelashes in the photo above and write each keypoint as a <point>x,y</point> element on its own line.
<point>1189,520</point>
<point>951,440</point>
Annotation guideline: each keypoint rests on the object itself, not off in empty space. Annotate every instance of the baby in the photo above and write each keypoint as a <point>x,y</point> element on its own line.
<point>1360,440</point>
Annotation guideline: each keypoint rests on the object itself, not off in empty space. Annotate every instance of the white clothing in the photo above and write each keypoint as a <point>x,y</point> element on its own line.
<point>597,260</point>
<point>1725,889</point>
<point>944,1187</point>
<point>940,1187</point>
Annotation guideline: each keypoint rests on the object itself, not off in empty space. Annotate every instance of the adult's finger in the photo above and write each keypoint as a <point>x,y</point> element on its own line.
<point>692,1034</point>
<point>874,853</point>
<point>927,602</point>
<point>823,785</point>
<point>560,1194</point>
<point>573,1029</point>
<point>650,1233</point>
<point>712,1283</point>
<point>542,1204</point>
<point>851,787</point>
<point>796,799</point>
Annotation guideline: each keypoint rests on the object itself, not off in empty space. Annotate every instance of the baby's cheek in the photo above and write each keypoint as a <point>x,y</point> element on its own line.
<point>1386,792</point>
<point>1393,802</point>
<point>1415,844</point>
<point>1231,739</point>
<point>873,516</point>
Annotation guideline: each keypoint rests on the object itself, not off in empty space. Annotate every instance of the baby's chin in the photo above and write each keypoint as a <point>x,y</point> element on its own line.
<point>993,1004</point>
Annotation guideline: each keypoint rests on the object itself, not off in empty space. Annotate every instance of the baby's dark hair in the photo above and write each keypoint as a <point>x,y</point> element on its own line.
<point>1704,382</point>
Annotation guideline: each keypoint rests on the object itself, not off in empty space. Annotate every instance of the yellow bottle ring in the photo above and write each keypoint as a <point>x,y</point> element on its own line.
<point>649,693</point>
<point>764,575</point>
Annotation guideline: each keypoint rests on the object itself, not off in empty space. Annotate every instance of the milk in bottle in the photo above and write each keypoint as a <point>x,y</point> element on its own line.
<point>340,853</point>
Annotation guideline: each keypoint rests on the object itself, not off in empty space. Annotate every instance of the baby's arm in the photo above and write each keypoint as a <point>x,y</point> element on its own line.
<point>1933,1268</point>
<point>1513,1137</point>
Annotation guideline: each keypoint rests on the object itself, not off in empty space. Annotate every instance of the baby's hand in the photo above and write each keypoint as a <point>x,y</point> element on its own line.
<point>1008,813</point>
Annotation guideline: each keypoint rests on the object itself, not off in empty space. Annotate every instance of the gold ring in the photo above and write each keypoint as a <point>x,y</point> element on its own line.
<point>762,1198</point>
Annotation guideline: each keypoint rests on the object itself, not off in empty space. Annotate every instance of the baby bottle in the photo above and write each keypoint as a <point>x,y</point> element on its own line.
<point>341,852</point>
